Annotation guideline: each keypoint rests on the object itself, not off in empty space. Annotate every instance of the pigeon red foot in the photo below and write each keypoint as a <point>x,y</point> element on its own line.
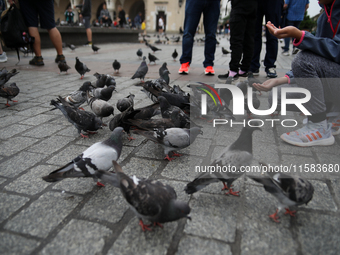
<point>291,213</point>
<point>230,190</point>
<point>84,136</point>
<point>144,227</point>
<point>274,216</point>
<point>175,154</point>
<point>157,224</point>
<point>99,184</point>
<point>168,158</point>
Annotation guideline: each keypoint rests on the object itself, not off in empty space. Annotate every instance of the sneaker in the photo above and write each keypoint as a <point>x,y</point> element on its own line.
<point>271,73</point>
<point>88,44</point>
<point>3,57</point>
<point>184,68</point>
<point>285,53</point>
<point>37,61</point>
<point>60,58</point>
<point>256,72</point>
<point>209,70</point>
<point>334,120</point>
<point>223,76</point>
<point>243,75</point>
<point>295,51</point>
<point>230,79</point>
<point>310,135</point>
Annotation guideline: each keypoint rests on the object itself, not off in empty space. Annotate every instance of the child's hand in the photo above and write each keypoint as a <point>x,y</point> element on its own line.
<point>289,31</point>
<point>269,84</point>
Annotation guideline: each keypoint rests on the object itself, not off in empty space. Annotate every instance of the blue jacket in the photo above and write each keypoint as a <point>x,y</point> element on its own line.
<point>326,42</point>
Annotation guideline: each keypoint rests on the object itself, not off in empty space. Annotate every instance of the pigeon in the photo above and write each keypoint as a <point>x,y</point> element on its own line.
<point>116,66</point>
<point>180,101</point>
<point>98,156</point>
<point>177,90</point>
<point>100,107</point>
<point>288,190</point>
<point>176,39</point>
<point>95,48</point>
<point>153,89</point>
<point>82,120</point>
<point>81,68</point>
<point>101,80</point>
<point>139,53</point>
<point>71,46</point>
<point>151,200</point>
<point>9,91</point>
<point>152,58</point>
<point>78,97</point>
<point>146,112</point>
<point>174,55</point>
<point>172,139</point>
<point>224,51</point>
<point>125,103</point>
<point>164,73</point>
<point>26,50</point>
<point>238,154</point>
<point>141,71</point>
<point>110,80</point>
<point>119,121</point>
<point>5,76</point>
<point>103,93</point>
<point>153,48</point>
<point>63,67</point>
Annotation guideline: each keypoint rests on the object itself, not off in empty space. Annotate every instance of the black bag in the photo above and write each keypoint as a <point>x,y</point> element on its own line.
<point>14,32</point>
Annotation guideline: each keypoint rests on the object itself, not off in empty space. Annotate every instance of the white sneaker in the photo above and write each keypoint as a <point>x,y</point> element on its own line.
<point>333,118</point>
<point>312,134</point>
<point>285,53</point>
<point>3,57</point>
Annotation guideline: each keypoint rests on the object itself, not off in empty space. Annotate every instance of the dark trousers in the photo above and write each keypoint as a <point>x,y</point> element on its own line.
<point>271,9</point>
<point>242,32</point>
<point>193,12</point>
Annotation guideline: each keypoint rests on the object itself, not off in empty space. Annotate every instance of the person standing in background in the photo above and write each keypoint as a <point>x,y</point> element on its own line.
<point>193,12</point>
<point>295,13</point>
<point>121,16</point>
<point>271,10</point>
<point>160,25</point>
<point>86,15</point>
<point>3,56</point>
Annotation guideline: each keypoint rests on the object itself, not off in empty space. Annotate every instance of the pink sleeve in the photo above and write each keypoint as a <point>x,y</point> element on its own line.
<point>288,78</point>
<point>295,43</point>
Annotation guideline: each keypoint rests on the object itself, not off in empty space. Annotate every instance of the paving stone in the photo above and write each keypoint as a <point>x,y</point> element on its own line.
<point>50,145</point>
<point>11,119</point>
<point>157,240</point>
<point>108,204</point>
<point>141,167</point>
<point>77,238</point>
<point>76,185</point>
<point>336,187</point>
<point>213,216</point>
<point>31,183</point>
<point>267,153</point>
<point>47,212</point>
<point>37,120</point>
<point>318,234</point>
<point>200,147</point>
<point>9,244</point>
<point>33,111</point>
<point>19,163</point>
<point>199,245</point>
<point>69,153</point>
<point>2,180</point>
<point>43,130</point>
<point>68,131</point>
<point>16,144</point>
<point>9,204</point>
<point>12,130</point>
<point>151,150</point>
<point>322,198</point>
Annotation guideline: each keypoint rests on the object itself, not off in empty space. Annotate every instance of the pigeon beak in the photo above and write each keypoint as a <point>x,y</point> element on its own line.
<point>188,217</point>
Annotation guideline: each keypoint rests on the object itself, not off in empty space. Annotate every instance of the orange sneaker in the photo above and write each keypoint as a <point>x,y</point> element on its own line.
<point>209,70</point>
<point>184,68</point>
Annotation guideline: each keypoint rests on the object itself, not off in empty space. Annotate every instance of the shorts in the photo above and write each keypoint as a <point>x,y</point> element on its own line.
<point>87,22</point>
<point>36,12</point>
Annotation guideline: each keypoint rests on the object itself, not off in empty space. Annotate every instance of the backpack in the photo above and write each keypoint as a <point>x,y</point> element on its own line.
<point>14,32</point>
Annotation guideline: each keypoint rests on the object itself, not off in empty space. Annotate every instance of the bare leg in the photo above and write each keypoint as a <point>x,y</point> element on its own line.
<point>89,34</point>
<point>56,40</point>
<point>33,31</point>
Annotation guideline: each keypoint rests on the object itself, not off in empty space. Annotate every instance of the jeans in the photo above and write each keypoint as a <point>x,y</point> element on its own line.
<point>193,11</point>
<point>295,23</point>
<point>272,11</point>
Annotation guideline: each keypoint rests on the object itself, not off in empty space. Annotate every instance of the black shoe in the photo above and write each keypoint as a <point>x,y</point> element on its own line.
<point>223,76</point>
<point>37,61</point>
<point>243,75</point>
<point>60,58</point>
<point>230,79</point>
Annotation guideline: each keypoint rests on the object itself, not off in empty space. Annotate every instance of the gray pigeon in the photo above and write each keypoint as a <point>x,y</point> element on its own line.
<point>151,200</point>
<point>81,68</point>
<point>125,103</point>
<point>101,80</point>
<point>5,75</point>
<point>238,154</point>
<point>82,120</point>
<point>288,190</point>
<point>98,156</point>
<point>103,93</point>
<point>9,91</point>
<point>78,97</point>
<point>172,139</point>
<point>116,66</point>
<point>224,51</point>
<point>71,46</point>
<point>153,48</point>
<point>100,107</point>
<point>141,71</point>
<point>139,53</point>
<point>164,73</point>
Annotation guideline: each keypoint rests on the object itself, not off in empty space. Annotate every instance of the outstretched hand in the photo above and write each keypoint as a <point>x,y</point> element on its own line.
<point>289,31</point>
<point>269,84</point>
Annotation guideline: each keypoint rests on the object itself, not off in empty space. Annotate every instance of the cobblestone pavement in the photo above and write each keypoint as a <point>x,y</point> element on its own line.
<point>74,216</point>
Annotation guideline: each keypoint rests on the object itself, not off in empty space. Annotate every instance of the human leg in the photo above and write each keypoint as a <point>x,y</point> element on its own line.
<point>56,40</point>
